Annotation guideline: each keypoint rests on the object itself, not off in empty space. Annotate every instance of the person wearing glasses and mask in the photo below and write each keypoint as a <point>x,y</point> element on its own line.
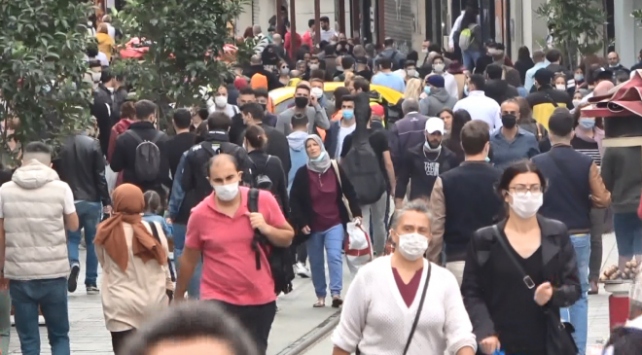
<point>450,83</point>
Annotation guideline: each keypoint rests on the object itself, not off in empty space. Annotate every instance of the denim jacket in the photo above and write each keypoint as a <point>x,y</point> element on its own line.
<point>154,218</point>
<point>178,194</point>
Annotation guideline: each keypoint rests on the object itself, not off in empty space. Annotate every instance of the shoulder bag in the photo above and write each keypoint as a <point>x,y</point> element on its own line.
<point>559,337</point>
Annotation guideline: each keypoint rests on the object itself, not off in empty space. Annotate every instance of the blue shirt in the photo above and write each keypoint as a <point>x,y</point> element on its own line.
<point>529,81</point>
<point>390,80</point>
<point>154,218</point>
<point>524,146</point>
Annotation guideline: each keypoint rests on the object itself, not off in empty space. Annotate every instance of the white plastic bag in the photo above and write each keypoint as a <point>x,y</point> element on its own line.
<point>358,247</point>
<point>111,178</point>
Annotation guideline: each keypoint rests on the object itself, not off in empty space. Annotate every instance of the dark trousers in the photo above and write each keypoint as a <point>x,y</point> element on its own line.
<point>257,320</point>
<point>302,253</point>
<point>598,216</point>
<point>118,339</point>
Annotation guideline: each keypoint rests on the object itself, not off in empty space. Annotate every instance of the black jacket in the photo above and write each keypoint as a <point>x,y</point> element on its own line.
<point>106,111</point>
<point>301,202</point>
<point>81,164</point>
<point>500,90</point>
<point>419,170</point>
<point>124,155</point>
<point>560,269</point>
<point>195,183</point>
<point>178,145</point>
<point>273,169</point>
<point>277,145</point>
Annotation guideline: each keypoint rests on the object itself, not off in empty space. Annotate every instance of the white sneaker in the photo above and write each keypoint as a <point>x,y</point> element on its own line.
<point>301,270</point>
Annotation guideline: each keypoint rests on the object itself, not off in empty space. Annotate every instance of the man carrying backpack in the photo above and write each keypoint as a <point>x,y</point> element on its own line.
<point>390,52</point>
<point>140,152</point>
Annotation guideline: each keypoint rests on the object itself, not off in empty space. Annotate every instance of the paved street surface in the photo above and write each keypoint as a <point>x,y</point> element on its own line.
<point>295,318</point>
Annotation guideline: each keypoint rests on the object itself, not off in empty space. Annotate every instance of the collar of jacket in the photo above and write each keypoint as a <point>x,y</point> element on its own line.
<point>214,136</point>
<point>550,248</point>
<point>142,125</point>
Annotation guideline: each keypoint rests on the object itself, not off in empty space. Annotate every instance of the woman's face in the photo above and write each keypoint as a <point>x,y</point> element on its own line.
<point>579,71</point>
<point>560,81</point>
<point>448,120</point>
<point>577,96</point>
<point>522,184</point>
<point>412,222</point>
<point>312,148</point>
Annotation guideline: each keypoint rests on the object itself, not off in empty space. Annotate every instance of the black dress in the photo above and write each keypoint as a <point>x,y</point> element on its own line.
<point>519,321</point>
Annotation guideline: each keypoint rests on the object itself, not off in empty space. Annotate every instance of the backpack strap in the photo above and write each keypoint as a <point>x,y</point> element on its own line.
<point>209,148</point>
<point>253,206</point>
<point>136,136</point>
<point>152,226</point>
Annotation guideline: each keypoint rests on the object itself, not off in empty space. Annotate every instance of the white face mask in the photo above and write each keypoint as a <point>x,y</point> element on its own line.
<point>412,246</point>
<point>316,92</point>
<point>285,71</point>
<point>526,205</point>
<point>439,68</point>
<point>560,87</point>
<point>314,66</point>
<point>220,101</point>
<point>226,192</point>
<point>95,77</point>
<point>576,102</point>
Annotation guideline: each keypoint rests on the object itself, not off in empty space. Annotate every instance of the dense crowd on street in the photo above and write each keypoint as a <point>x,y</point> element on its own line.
<point>499,187</point>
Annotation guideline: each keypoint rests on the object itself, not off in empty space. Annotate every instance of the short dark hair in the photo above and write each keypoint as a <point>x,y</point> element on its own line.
<point>622,76</point>
<point>474,136</point>
<point>92,50</point>
<point>314,57</point>
<point>388,41</point>
<point>255,136</point>
<point>553,55</point>
<point>182,118</point>
<point>38,147</point>
<point>350,98</point>
<point>478,81</point>
<point>261,92</point>
<point>311,22</point>
<point>299,120</point>
<point>561,122</point>
<point>362,83</point>
<point>347,62</point>
<point>409,63</point>
<point>190,320</point>
<point>94,63</point>
<point>324,19</point>
<point>385,63</point>
<point>494,71</point>
<point>302,86</point>
<point>218,121</point>
<point>538,56</point>
<point>247,91</point>
<point>255,110</point>
<point>144,109</point>
<point>106,76</point>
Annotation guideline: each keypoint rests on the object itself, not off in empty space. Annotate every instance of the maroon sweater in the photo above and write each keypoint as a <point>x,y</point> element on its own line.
<point>323,191</point>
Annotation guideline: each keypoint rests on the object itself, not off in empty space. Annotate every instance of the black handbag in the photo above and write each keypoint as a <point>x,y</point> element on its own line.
<point>559,335</point>
<point>416,321</point>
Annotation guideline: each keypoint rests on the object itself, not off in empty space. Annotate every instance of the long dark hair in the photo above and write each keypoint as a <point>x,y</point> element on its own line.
<point>460,117</point>
<point>523,54</point>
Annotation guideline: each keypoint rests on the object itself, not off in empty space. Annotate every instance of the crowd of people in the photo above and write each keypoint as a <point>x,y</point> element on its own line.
<point>501,191</point>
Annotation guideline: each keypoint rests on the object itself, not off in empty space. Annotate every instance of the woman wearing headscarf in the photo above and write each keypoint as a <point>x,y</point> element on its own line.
<point>133,255</point>
<point>319,214</point>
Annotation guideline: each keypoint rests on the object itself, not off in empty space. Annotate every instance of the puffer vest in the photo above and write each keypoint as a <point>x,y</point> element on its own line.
<point>36,242</point>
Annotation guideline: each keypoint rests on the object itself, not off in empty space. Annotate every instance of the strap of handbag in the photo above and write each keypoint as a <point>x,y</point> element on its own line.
<point>421,306</point>
<point>152,226</point>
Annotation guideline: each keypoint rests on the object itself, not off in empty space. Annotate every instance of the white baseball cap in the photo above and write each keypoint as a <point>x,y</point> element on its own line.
<point>435,124</point>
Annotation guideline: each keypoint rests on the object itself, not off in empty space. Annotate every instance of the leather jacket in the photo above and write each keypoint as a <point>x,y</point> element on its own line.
<point>82,166</point>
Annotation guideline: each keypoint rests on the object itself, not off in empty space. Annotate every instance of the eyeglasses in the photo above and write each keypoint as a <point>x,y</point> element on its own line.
<point>523,189</point>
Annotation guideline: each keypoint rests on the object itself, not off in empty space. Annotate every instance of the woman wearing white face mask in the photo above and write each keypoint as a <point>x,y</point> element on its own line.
<point>319,215</point>
<point>520,271</point>
<point>402,303</point>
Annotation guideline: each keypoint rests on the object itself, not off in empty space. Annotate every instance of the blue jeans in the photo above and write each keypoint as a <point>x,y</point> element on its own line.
<point>330,241</point>
<point>628,234</point>
<point>51,296</point>
<point>89,214</point>
<point>194,287</point>
<point>577,314</point>
<point>470,58</point>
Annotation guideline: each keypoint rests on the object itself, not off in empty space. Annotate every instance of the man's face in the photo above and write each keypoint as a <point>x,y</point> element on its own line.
<point>246,99</point>
<point>434,139</point>
<point>613,59</point>
<point>223,172</point>
<point>424,46</point>
<point>351,88</point>
<point>302,93</point>
<point>262,101</point>
<point>510,108</point>
<point>325,25</point>
<point>313,64</point>
<point>222,91</point>
<point>317,84</point>
<point>347,105</point>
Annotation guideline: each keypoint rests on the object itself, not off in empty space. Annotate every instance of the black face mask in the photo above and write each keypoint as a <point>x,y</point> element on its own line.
<point>264,106</point>
<point>509,120</point>
<point>301,102</point>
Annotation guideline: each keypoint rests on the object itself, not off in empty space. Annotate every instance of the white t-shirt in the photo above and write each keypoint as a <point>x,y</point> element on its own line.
<point>69,206</point>
<point>343,133</point>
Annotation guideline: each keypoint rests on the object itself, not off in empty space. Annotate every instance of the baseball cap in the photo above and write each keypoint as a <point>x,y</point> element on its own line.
<point>436,81</point>
<point>435,124</point>
<point>377,110</point>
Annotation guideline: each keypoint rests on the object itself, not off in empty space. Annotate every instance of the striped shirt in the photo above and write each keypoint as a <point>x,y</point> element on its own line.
<point>587,148</point>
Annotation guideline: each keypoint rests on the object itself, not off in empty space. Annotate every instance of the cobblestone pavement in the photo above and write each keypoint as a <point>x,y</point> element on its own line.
<point>295,318</point>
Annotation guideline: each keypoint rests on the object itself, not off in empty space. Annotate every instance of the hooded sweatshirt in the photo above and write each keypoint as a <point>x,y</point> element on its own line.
<point>298,156</point>
<point>33,205</point>
<point>437,100</point>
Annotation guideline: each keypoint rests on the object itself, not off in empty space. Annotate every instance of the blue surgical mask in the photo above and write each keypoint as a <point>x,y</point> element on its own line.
<point>427,90</point>
<point>579,77</point>
<point>348,114</point>
<point>587,123</point>
<point>319,158</point>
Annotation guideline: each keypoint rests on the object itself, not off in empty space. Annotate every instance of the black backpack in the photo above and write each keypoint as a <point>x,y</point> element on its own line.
<point>214,148</point>
<point>260,179</point>
<point>147,159</point>
<point>362,168</point>
<point>280,259</point>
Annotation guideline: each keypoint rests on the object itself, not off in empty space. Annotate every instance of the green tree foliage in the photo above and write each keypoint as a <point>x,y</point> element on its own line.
<point>637,15</point>
<point>42,64</point>
<point>186,38</point>
<point>577,26</point>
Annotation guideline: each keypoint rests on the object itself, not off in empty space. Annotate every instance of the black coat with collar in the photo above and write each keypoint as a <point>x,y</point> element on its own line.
<point>560,269</point>
<point>301,201</point>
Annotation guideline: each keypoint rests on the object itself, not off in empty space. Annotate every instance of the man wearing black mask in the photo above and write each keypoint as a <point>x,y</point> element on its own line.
<point>306,104</point>
<point>511,143</point>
